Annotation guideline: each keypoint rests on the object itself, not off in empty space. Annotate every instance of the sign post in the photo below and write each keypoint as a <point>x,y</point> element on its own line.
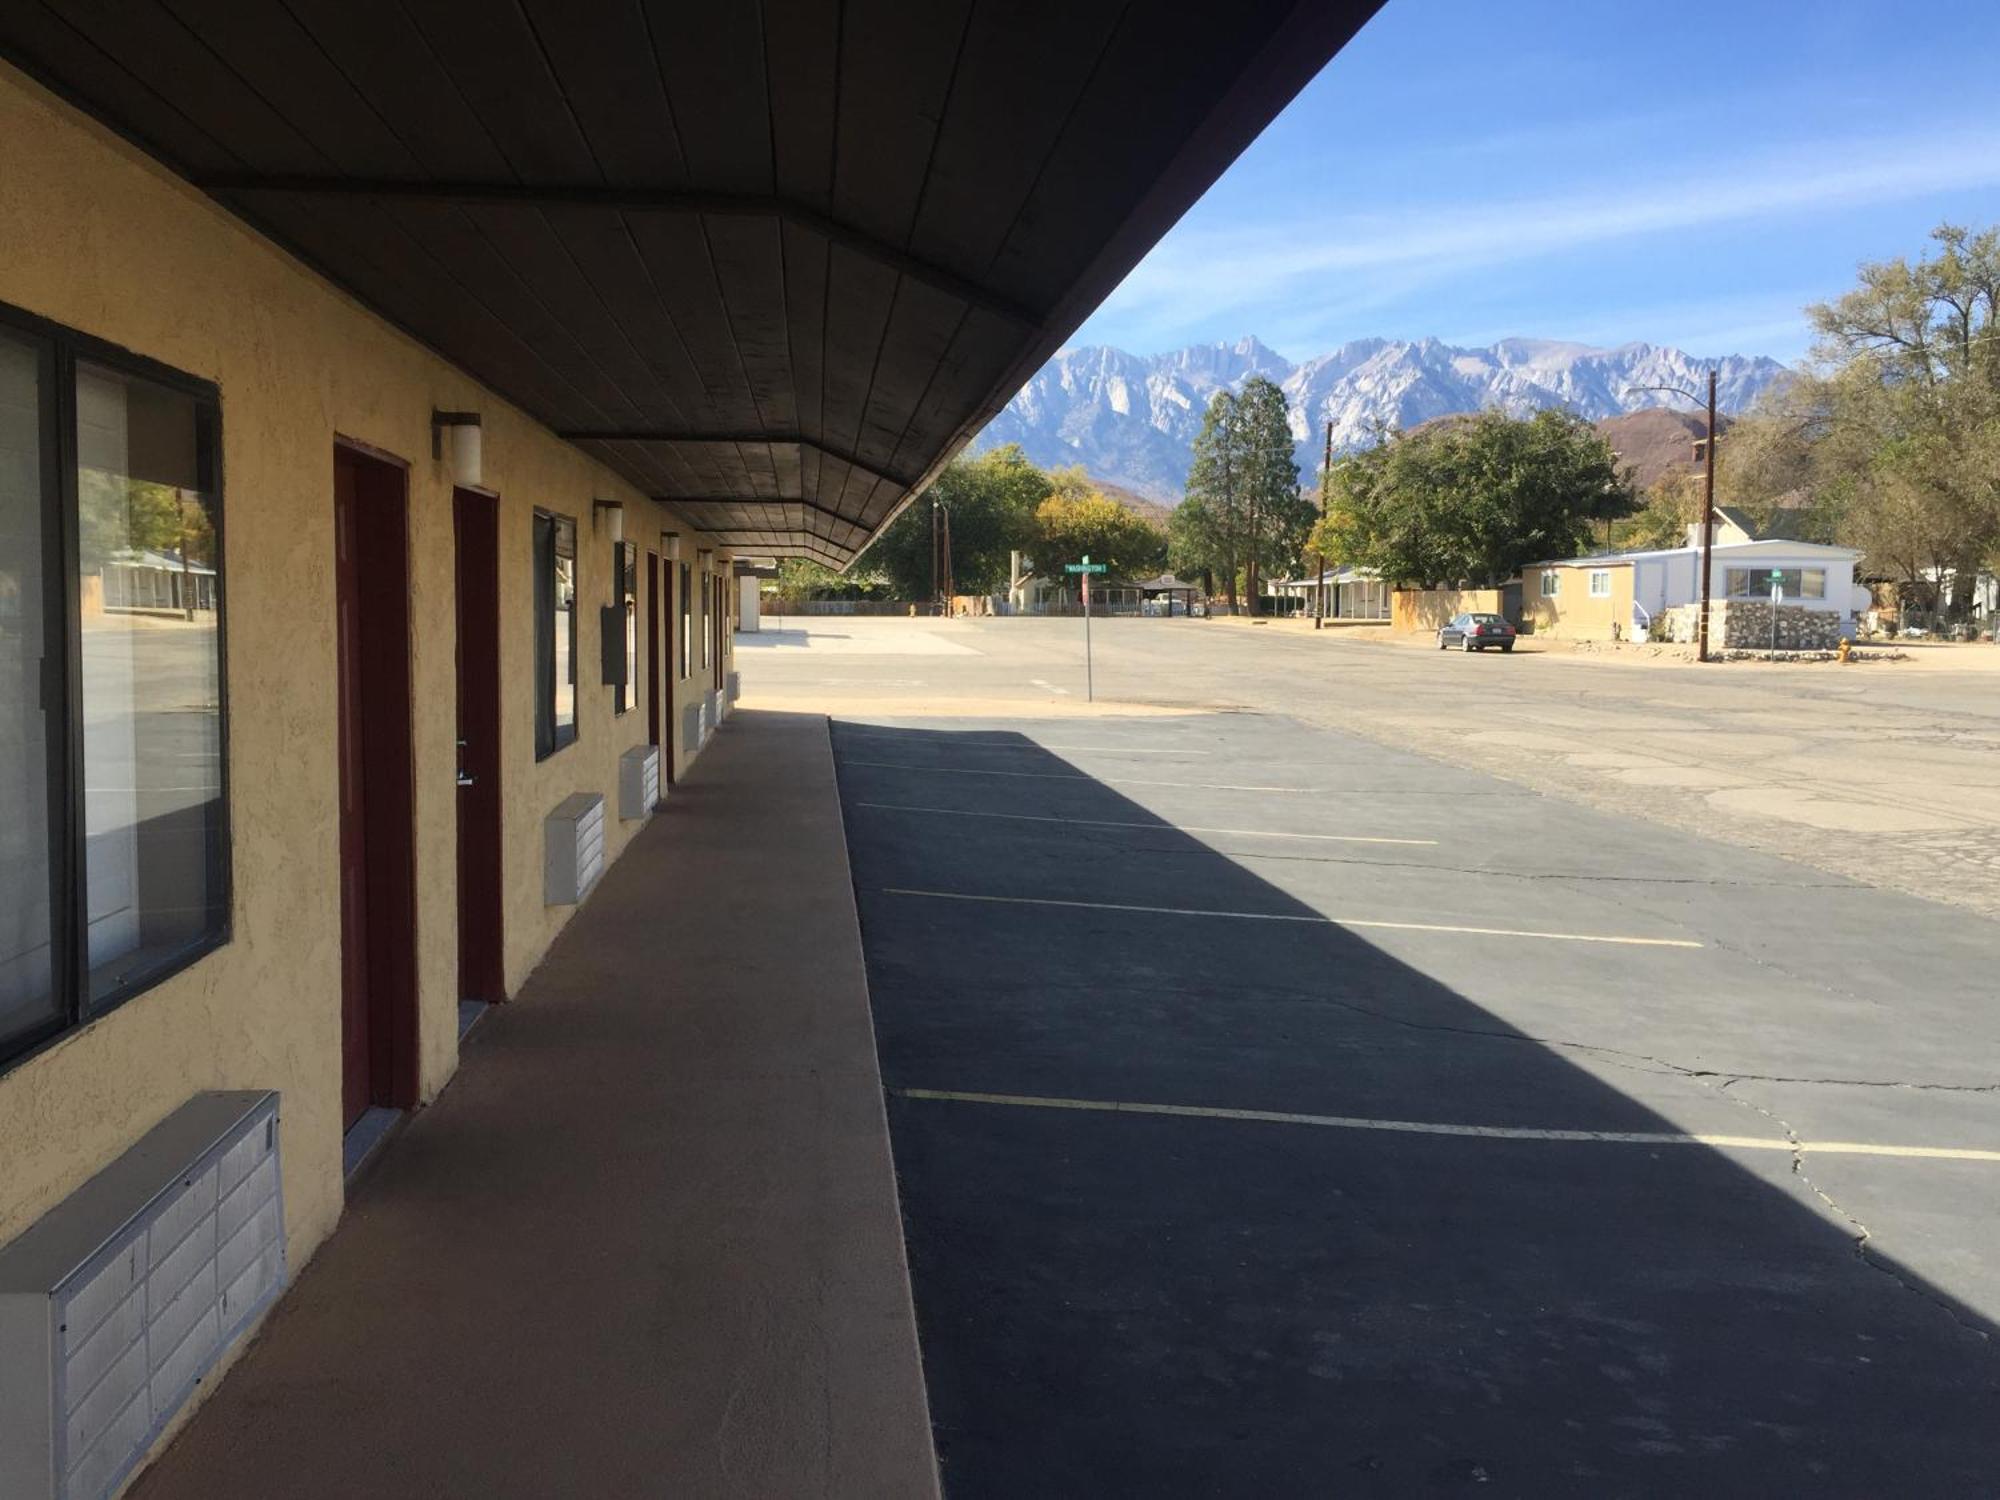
<point>1086,568</point>
<point>1777,597</point>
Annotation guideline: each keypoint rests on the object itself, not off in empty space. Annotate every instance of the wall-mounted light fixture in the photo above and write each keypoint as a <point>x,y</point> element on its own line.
<point>704,559</point>
<point>670,544</point>
<point>616,521</point>
<point>465,444</point>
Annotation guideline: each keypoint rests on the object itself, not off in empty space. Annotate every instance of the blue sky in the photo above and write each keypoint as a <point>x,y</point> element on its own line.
<point>1593,170</point>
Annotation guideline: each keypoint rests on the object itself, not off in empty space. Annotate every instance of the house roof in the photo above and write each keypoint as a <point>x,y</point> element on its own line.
<point>1766,547</point>
<point>774,264</point>
<point>146,557</point>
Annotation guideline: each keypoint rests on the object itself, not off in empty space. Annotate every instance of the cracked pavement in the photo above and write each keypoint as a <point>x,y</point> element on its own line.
<point>1178,1305</point>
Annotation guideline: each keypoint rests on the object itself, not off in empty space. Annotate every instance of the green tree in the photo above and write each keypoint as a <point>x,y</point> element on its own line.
<point>1195,542</point>
<point>1211,537</point>
<point>1069,526</point>
<point>1897,424</point>
<point>1469,500</point>
<point>802,578</point>
<point>1276,517</point>
<point>991,501</point>
<point>119,514</point>
<point>1243,515</point>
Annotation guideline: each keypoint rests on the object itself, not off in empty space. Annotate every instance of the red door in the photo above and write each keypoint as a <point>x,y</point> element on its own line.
<point>377,844</point>
<point>476,527</point>
<point>668,672</point>
<point>653,657</point>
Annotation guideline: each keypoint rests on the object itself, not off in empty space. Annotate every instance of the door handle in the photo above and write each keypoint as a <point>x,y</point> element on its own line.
<point>464,780</point>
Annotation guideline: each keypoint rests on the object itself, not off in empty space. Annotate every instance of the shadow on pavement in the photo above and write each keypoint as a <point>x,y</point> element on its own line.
<point>1119,1304</point>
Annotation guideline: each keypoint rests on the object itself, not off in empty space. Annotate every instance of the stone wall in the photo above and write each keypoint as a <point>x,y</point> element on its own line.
<point>1745,625</point>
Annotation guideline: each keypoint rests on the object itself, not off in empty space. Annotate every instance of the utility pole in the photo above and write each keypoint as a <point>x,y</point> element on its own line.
<point>1325,485</point>
<point>950,582</point>
<point>1707,504</point>
<point>941,581</point>
<point>1707,525</point>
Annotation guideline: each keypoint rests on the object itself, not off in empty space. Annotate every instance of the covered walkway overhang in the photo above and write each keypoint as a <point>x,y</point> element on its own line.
<point>773,263</point>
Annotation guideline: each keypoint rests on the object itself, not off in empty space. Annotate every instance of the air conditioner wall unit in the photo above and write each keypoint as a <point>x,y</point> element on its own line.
<point>118,1301</point>
<point>638,782</point>
<point>572,848</point>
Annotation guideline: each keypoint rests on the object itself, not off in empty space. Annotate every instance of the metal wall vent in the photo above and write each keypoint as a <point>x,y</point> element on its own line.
<point>573,849</point>
<point>115,1303</point>
<point>691,731</point>
<point>735,686</point>
<point>638,782</point>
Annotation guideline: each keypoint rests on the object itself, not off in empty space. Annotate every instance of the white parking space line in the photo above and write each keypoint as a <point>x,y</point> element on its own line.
<point>1310,919</point>
<point>1475,1132</point>
<point>1200,786</point>
<point>1038,682</point>
<point>1255,833</point>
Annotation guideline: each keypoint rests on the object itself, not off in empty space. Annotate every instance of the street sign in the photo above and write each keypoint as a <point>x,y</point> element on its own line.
<point>1086,568</point>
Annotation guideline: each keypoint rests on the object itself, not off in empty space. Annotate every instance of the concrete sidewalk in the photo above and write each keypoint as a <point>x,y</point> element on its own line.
<point>647,1243</point>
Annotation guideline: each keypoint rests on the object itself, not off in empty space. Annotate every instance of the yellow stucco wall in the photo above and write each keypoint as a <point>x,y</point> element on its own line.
<point>1420,611</point>
<point>1573,614</point>
<point>95,236</point>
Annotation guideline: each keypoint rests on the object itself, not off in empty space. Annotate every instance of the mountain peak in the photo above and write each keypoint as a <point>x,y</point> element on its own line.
<point>1131,419</point>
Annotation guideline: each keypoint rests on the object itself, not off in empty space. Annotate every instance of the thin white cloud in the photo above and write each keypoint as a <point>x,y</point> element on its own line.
<point>1285,264</point>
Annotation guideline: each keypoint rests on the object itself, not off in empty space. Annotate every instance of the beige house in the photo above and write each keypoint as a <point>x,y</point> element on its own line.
<point>1619,596</point>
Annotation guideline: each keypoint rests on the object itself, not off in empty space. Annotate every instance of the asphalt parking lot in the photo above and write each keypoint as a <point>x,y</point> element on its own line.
<point>1278,1112</point>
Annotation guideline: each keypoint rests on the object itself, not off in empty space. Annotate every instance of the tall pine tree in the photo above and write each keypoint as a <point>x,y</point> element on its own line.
<point>1276,518</point>
<point>1215,489</point>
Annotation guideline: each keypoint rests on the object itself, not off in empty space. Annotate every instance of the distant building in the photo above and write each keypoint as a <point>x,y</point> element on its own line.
<point>1351,593</point>
<point>1618,595</point>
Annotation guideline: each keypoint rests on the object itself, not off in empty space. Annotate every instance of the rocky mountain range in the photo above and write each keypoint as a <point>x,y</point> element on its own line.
<point>1132,419</point>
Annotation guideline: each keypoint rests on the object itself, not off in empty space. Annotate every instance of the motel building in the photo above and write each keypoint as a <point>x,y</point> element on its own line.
<point>389,395</point>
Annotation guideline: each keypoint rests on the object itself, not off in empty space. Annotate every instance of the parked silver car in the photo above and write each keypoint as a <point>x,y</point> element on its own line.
<point>1475,633</point>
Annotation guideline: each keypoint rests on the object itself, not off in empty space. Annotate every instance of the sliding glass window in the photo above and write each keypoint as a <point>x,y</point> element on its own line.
<point>114,859</point>
<point>555,633</point>
<point>687,619</point>
<point>31,1004</point>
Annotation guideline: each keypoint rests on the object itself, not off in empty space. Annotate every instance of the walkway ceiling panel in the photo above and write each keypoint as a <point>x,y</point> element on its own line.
<point>776,261</point>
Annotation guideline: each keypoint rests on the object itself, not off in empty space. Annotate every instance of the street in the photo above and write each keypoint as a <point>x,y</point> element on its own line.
<point>1279,1110</point>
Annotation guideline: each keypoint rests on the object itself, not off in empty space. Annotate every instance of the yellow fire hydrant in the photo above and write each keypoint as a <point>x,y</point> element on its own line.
<point>1846,649</point>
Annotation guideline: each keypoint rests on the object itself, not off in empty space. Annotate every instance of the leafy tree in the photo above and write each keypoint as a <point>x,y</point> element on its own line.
<point>802,578</point>
<point>117,514</point>
<point>1069,526</point>
<point>1195,542</point>
<point>1896,428</point>
<point>1211,537</point>
<point>1277,516</point>
<point>1469,500</point>
<point>991,500</point>
<point>1243,515</point>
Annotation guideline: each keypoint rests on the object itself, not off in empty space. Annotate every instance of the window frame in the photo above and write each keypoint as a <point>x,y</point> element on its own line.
<point>685,587</point>
<point>625,597</point>
<point>1595,575</point>
<point>550,737</point>
<point>1551,583</point>
<point>1755,583</point>
<point>59,349</point>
